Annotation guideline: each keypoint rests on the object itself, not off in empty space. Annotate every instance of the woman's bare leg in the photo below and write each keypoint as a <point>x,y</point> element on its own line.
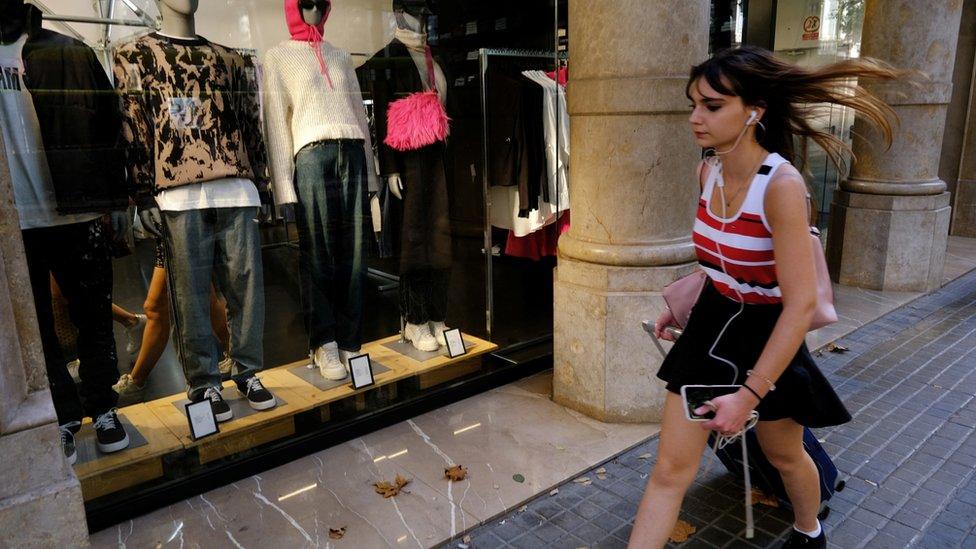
<point>679,453</point>
<point>156,336</point>
<point>123,317</point>
<point>782,443</point>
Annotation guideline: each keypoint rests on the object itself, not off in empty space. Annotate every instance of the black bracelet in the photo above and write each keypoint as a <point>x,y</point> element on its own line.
<point>752,391</point>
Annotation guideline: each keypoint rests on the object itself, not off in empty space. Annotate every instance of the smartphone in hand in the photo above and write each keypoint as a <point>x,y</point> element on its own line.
<point>695,396</point>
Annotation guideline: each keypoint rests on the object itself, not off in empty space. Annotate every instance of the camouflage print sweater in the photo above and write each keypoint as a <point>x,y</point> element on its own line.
<point>191,113</point>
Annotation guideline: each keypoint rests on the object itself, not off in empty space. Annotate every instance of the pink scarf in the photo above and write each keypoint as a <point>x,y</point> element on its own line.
<point>312,34</point>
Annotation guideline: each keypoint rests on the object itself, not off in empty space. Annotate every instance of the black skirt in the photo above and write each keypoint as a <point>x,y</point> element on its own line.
<point>802,392</point>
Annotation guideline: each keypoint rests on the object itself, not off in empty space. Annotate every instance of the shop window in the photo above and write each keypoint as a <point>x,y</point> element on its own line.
<point>268,190</point>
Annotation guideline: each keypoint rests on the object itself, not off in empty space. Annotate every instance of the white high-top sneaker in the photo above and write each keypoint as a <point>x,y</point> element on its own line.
<point>438,329</point>
<point>421,338</point>
<point>326,357</point>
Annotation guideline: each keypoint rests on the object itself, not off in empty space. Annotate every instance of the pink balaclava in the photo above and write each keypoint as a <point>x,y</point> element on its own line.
<point>303,32</point>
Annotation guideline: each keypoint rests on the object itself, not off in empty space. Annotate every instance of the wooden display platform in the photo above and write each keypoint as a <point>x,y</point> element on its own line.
<point>165,428</point>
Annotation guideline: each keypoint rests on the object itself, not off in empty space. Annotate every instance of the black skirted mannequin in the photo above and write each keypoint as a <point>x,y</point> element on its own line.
<point>425,240</point>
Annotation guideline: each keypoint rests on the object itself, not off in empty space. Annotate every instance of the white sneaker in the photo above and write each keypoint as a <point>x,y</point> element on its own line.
<point>326,357</point>
<point>133,335</point>
<point>421,338</point>
<point>226,365</point>
<point>129,392</point>
<point>438,329</point>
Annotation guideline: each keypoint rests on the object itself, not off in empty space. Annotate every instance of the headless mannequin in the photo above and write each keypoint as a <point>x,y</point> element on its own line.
<point>177,22</point>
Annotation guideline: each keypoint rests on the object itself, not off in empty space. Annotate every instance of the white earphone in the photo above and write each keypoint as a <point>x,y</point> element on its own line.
<point>752,116</point>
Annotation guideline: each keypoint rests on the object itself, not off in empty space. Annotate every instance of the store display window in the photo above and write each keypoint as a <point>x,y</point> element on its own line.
<point>251,222</point>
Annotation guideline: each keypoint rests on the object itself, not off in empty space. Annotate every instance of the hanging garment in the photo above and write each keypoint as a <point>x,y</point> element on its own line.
<point>30,173</point>
<point>539,244</point>
<point>80,120</point>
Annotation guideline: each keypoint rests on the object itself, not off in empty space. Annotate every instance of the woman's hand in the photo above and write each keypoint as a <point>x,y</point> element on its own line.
<point>731,412</point>
<point>666,319</point>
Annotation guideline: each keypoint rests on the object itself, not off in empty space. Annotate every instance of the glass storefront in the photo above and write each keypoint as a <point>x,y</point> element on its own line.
<point>354,202</point>
<point>809,33</point>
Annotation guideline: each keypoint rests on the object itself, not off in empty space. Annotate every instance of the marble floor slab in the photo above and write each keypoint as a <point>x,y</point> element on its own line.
<point>515,430</point>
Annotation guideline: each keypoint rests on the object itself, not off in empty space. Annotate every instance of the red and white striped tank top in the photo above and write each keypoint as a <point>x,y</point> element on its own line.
<point>743,242</point>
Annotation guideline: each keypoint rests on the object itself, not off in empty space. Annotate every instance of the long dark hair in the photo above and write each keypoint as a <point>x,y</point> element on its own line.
<point>791,94</point>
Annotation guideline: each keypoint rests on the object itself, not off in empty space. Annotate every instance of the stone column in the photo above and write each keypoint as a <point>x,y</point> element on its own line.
<point>633,192</point>
<point>890,221</point>
<point>40,497</point>
<point>964,215</point>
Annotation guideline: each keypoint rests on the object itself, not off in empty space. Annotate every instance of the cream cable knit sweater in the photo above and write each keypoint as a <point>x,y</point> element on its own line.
<point>300,108</point>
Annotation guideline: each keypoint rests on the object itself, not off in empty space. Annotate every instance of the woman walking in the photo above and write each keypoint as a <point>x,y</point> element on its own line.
<point>752,239</point>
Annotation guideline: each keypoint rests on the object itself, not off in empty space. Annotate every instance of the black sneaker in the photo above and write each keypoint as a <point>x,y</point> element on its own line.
<point>221,409</point>
<point>798,539</point>
<point>257,396</point>
<point>110,433</point>
<point>68,441</point>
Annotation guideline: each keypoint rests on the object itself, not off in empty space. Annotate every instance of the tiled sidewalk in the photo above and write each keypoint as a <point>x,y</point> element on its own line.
<point>909,455</point>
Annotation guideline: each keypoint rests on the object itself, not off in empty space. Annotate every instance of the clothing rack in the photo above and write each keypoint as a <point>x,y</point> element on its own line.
<point>484,57</point>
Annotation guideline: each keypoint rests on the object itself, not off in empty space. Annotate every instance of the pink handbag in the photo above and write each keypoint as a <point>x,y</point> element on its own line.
<point>682,294</point>
<point>825,313</point>
<point>419,119</point>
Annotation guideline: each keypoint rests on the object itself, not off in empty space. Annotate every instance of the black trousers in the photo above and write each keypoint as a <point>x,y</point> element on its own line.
<point>423,295</point>
<point>79,258</point>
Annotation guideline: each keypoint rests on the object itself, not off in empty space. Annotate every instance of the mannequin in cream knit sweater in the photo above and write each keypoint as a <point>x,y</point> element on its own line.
<point>321,160</point>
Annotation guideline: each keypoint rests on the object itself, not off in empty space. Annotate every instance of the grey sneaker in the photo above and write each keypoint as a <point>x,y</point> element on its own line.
<point>68,441</point>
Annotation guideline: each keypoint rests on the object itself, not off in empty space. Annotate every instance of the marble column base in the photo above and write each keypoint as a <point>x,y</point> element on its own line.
<point>964,212</point>
<point>605,365</point>
<point>887,242</point>
<point>40,498</point>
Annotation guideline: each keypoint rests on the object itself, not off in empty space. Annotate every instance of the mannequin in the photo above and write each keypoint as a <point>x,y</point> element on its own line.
<point>417,177</point>
<point>194,162</point>
<point>38,67</point>
<point>177,18</point>
<point>321,158</point>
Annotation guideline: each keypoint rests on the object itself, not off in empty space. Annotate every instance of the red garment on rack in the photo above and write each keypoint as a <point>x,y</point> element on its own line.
<point>539,244</point>
<point>563,75</point>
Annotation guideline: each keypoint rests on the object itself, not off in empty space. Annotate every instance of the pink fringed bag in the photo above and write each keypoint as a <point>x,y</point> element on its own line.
<point>419,119</point>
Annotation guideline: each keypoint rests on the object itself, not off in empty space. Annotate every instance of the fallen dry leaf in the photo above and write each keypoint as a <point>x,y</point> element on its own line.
<point>466,539</point>
<point>835,348</point>
<point>582,480</point>
<point>522,509</point>
<point>760,497</point>
<point>337,533</point>
<point>554,491</point>
<point>601,477</point>
<point>682,531</point>
<point>456,473</point>
<point>644,456</point>
<point>601,471</point>
<point>388,490</point>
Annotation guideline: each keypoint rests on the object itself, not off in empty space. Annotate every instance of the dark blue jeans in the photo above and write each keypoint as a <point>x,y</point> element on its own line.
<point>330,181</point>
<point>220,245</point>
